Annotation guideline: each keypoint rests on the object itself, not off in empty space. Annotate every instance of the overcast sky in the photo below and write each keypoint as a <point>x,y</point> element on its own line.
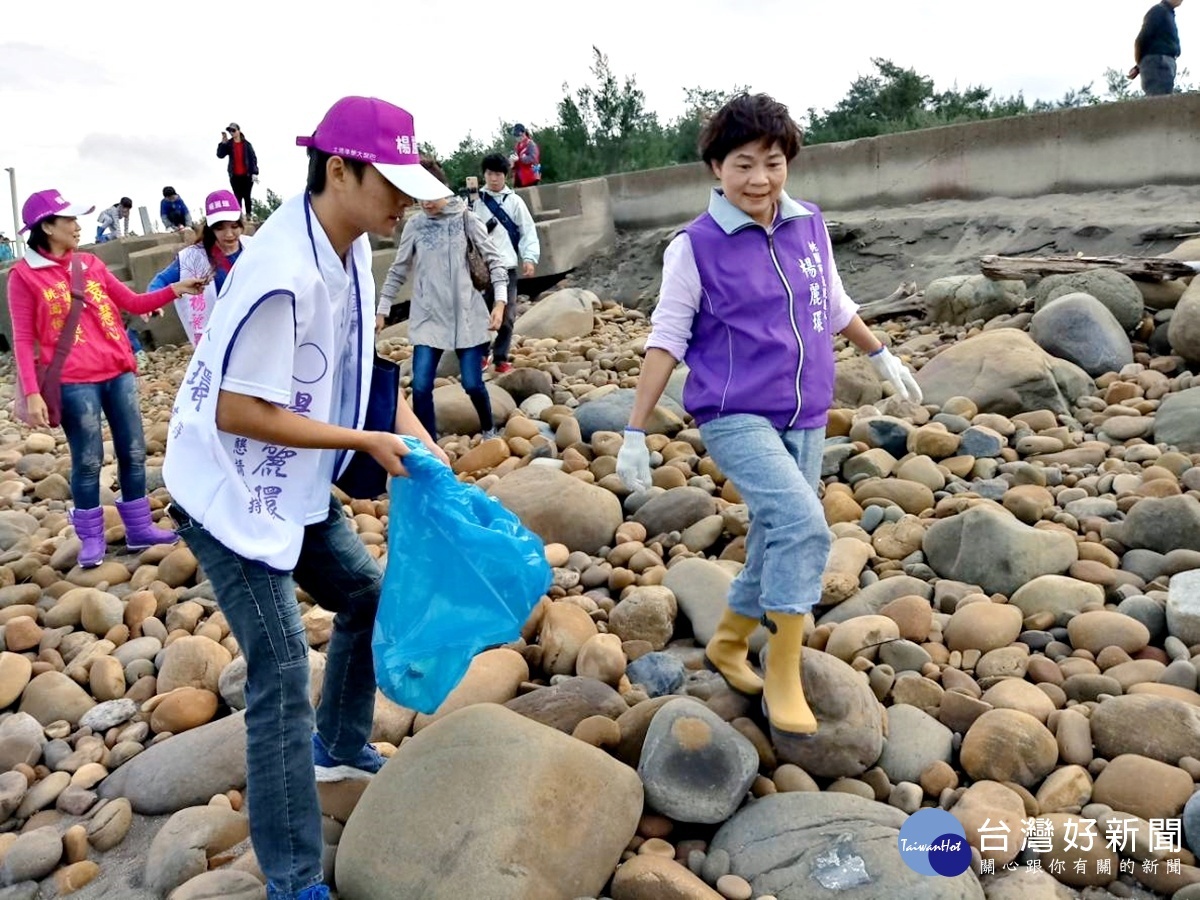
<point>100,100</point>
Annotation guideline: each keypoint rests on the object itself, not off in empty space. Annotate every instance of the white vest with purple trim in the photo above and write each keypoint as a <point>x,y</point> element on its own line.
<point>257,498</point>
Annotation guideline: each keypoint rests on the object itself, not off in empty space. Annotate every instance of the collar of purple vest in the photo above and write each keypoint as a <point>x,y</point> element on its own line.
<point>731,219</point>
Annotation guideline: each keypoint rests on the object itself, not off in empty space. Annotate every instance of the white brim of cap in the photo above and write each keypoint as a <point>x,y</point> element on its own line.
<point>72,211</point>
<point>228,215</point>
<point>415,181</point>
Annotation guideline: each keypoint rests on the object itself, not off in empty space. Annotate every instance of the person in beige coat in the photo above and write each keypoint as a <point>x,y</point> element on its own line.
<point>447,311</point>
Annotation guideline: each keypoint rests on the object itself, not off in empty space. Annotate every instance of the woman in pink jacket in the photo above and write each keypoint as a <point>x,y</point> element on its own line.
<point>99,374</point>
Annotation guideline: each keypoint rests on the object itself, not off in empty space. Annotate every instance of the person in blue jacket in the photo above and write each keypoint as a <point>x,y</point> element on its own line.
<point>173,211</point>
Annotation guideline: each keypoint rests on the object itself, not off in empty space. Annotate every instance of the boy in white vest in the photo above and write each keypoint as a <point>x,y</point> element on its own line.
<point>267,417</point>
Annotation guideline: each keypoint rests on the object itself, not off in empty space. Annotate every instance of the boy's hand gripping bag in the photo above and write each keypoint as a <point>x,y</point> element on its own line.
<point>463,574</point>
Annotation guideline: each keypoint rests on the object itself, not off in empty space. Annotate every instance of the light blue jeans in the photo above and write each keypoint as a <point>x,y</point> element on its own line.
<point>777,474</point>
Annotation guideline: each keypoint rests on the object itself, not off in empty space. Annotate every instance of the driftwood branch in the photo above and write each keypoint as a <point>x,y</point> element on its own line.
<point>904,299</point>
<point>1149,268</point>
<point>1173,232</point>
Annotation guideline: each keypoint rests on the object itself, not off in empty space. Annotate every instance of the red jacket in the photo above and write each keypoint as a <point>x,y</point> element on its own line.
<point>39,298</point>
<point>527,169</point>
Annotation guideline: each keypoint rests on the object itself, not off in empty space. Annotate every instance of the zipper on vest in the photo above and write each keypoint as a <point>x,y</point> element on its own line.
<point>792,318</point>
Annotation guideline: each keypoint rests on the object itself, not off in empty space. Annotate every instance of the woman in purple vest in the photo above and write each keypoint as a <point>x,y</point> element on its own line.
<point>751,300</point>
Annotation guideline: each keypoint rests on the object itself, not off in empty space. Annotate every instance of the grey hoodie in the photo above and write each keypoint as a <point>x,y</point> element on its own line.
<point>447,312</point>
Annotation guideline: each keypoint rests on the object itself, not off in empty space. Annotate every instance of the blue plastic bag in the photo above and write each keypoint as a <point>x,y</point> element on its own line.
<point>463,574</point>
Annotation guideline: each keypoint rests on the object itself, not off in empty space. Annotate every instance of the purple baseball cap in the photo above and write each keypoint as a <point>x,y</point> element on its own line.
<point>49,203</point>
<point>376,132</point>
<point>222,206</point>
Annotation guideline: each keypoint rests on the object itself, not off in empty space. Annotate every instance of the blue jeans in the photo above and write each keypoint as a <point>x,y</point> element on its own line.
<point>260,604</point>
<point>424,370</point>
<point>81,408</point>
<point>134,341</point>
<point>777,473</point>
<point>1158,74</point>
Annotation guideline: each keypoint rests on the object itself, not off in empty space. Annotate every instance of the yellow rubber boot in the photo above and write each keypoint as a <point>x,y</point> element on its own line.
<point>729,650</point>
<point>783,690</point>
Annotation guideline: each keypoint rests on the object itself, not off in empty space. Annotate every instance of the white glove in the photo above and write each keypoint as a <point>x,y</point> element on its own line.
<point>633,461</point>
<point>889,368</point>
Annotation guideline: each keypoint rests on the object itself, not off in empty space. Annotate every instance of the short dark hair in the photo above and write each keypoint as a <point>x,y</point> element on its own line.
<point>434,168</point>
<point>495,162</point>
<point>126,202</point>
<point>318,159</point>
<point>747,118</point>
<point>38,239</point>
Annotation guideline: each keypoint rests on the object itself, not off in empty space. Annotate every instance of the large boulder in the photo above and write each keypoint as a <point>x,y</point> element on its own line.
<point>991,548</point>
<point>1161,728</point>
<point>695,766</point>
<point>1184,329</point>
<point>561,509</point>
<point>165,777</point>
<point>1080,329</point>
<point>849,737</point>
<point>1116,290</point>
<point>1161,524</point>
<point>959,299</point>
<point>51,696</point>
<point>855,384</point>
<point>486,800</point>
<point>675,510</point>
<point>1177,420</point>
<point>801,845</point>
<point>611,413</point>
<point>700,587</point>
<point>1005,372</point>
<point>456,414</point>
<point>562,315</point>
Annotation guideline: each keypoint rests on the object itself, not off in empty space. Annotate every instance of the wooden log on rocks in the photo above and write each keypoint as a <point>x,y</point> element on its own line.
<point>905,299</point>
<point>1148,268</point>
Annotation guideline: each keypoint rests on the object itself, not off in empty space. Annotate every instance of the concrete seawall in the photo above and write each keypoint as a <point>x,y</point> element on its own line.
<point>1104,147</point>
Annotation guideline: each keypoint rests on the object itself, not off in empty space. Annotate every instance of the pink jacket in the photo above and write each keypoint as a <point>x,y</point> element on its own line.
<point>39,298</point>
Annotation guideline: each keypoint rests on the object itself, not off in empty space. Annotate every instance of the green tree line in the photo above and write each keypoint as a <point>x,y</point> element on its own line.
<point>604,126</point>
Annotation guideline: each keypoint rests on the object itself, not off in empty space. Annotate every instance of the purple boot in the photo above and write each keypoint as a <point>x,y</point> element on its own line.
<point>140,531</point>
<point>89,525</point>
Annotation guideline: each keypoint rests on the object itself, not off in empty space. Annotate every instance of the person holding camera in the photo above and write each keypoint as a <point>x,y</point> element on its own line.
<point>243,164</point>
<point>498,205</point>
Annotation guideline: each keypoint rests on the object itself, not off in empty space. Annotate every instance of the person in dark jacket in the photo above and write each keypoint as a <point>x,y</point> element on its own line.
<point>243,164</point>
<point>1156,49</point>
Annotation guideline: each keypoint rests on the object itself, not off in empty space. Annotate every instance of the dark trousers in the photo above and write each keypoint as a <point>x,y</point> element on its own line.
<point>241,185</point>
<point>1158,74</point>
<point>260,606</point>
<point>503,340</point>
